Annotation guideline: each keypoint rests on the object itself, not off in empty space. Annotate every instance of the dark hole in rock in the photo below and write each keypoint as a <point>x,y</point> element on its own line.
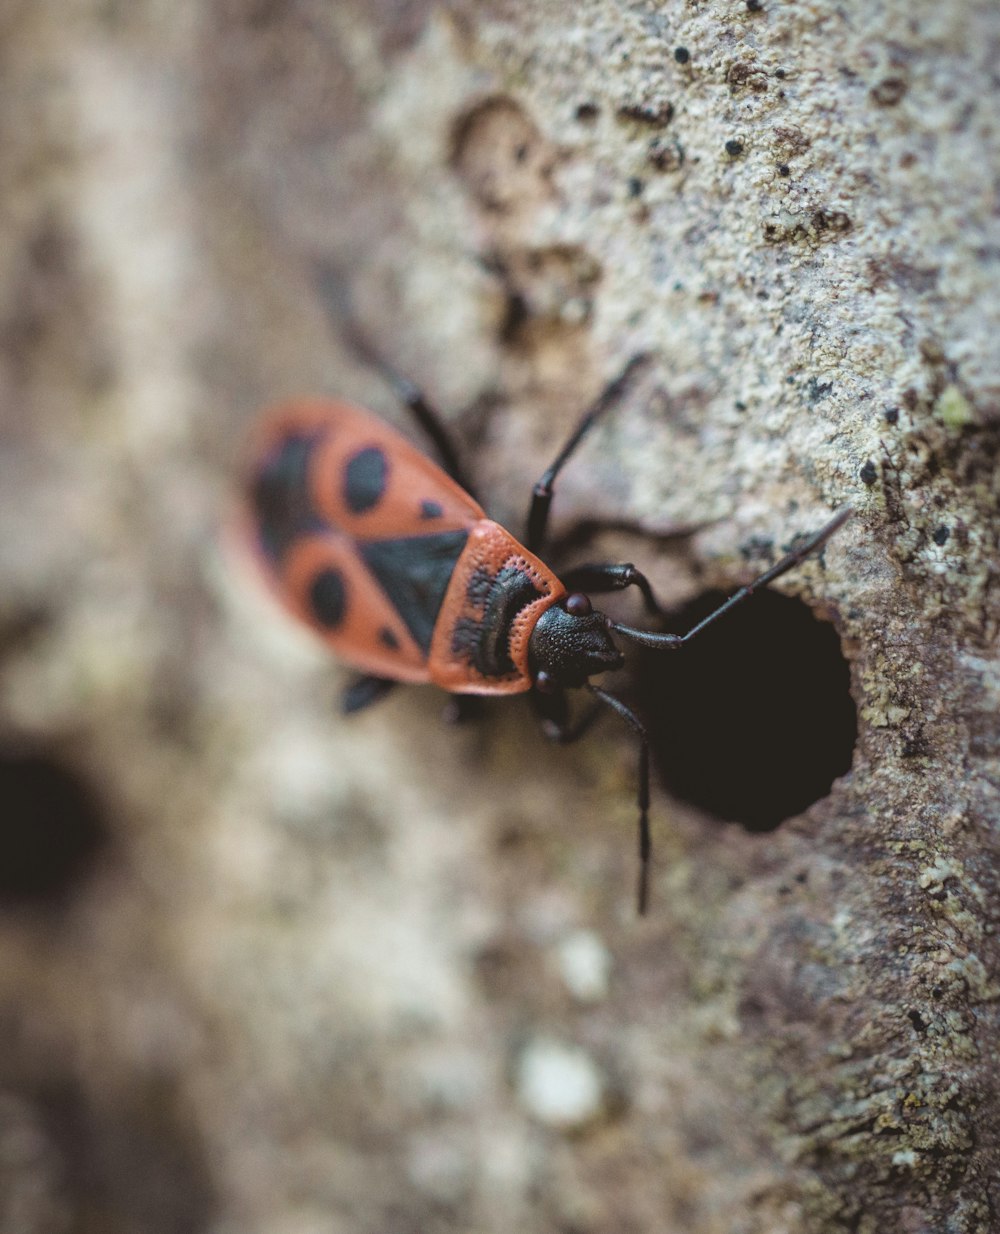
<point>753,720</point>
<point>133,1166</point>
<point>51,829</point>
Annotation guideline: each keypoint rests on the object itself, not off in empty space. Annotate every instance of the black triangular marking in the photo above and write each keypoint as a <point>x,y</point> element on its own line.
<point>414,573</point>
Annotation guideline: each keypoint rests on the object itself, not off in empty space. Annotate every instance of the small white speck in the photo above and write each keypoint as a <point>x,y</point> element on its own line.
<point>559,1084</point>
<point>584,965</point>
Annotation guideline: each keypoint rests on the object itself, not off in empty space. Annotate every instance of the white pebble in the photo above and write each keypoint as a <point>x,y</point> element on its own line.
<point>585,966</point>
<point>559,1084</point>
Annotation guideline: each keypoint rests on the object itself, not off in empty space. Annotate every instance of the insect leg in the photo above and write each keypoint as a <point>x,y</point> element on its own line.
<point>364,691</point>
<point>461,708</point>
<point>597,578</point>
<point>645,839</point>
<point>552,710</point>
<point>412,397</point>
<point>541,496</point>
<point>648,638</point>
<point>333,289</point>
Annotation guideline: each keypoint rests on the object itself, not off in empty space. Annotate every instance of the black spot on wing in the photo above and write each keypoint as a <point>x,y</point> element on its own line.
<point>280,497</point>
<point>431,509</point>
<point>365,479</point>
<point>414,573</point>
<point>328,598</point>
<point>388,639</point>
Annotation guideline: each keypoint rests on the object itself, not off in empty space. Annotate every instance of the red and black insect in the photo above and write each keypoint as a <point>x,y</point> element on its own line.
<point>399,570</point>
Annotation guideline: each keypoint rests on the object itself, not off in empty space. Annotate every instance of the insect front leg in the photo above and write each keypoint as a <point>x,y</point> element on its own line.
<point>642,795</point>
<point>598,578</point>
<point>648,638</point>
<point>552,709</point>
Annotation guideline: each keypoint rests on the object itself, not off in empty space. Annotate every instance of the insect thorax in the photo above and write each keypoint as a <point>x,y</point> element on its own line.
<point>497,592</point>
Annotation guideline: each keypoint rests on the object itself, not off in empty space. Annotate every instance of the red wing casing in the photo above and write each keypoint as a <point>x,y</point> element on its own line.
<point>356,532</point>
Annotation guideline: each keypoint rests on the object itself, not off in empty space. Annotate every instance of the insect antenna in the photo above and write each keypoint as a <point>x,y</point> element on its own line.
<point>650,638</point>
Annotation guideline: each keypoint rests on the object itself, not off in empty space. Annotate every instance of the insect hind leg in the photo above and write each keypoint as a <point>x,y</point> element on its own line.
<point>333,289</point>
<point>363,692</point>
<point>462,709</point>
<point>414,399</point>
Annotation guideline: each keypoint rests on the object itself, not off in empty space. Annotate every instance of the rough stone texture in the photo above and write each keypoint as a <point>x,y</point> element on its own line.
<point>291,983</point>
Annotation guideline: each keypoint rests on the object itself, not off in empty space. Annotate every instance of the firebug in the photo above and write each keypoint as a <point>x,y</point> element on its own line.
<point>396,566</point>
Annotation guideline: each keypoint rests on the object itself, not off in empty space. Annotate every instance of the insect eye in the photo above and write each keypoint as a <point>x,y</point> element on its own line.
<point>578,605</point>
<point>544,683</point>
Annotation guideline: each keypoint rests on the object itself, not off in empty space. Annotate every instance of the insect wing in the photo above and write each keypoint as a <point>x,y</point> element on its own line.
<point>356,532</point>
